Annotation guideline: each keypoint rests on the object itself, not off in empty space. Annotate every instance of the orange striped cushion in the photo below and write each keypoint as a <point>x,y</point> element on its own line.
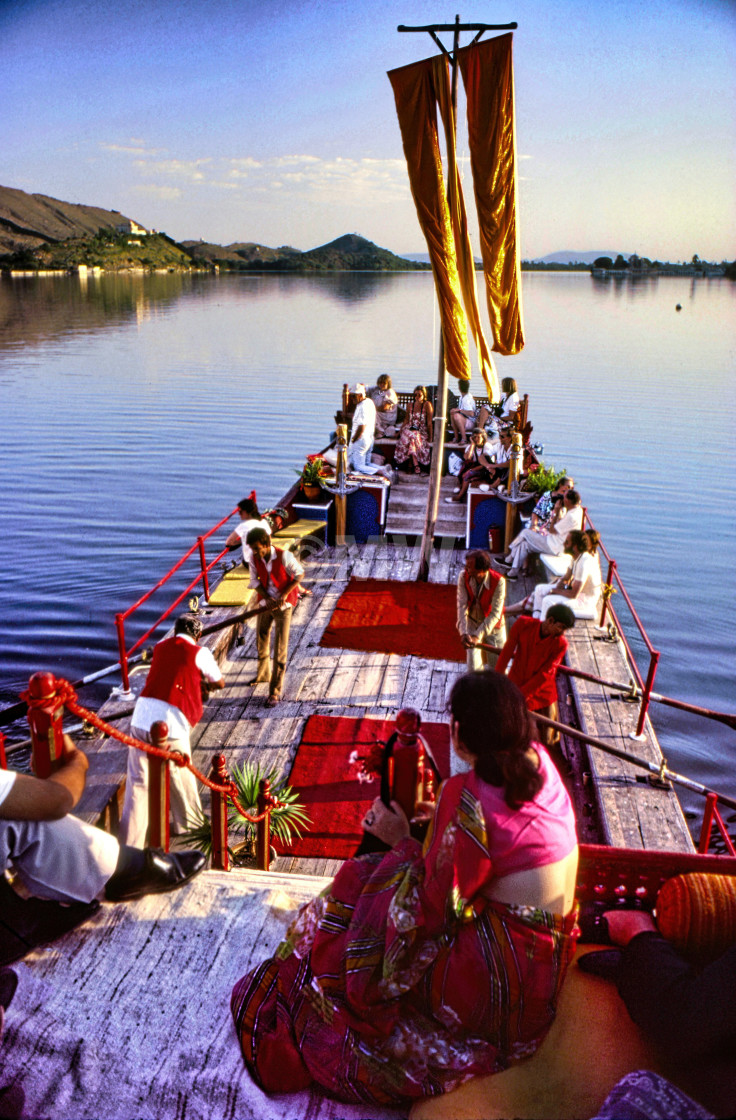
<point>697,912</point>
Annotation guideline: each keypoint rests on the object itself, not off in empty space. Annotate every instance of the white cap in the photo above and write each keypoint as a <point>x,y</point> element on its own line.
<point>358,388</point>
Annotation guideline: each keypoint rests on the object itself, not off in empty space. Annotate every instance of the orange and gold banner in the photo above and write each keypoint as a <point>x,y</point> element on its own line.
<point>415,93</point>
<point>487,73</point>
<point>459,220</point>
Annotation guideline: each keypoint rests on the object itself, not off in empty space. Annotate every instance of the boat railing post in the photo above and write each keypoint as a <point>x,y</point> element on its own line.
<point>609,583</point>
<point>45,716</point>
<point>653,662</point>
<point>120,627</point>
<point>263,827</point>
<point>513,488</point>
<point>3,756</point>
<point>218,816</point>
<point>203,563</point>
<point>707,826</point>
<point>340,478</point>
<point>158,789</point>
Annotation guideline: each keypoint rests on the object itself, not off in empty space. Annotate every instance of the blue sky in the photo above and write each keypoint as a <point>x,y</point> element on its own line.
<point>273,121</point>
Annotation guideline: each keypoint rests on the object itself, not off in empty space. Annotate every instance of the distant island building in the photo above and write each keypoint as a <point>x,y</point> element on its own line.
<point>129,226</point>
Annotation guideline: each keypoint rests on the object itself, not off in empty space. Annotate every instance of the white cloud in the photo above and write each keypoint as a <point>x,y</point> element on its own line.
<point>151,189</point>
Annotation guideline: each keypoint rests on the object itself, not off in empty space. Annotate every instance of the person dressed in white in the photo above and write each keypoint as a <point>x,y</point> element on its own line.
<point>361,435</point>
<point>462,417</point>
<point>507,408</point>
<point>580,588</point>
<point>569,516</point>
<point>387,404</point>
<point>60,858</point>
<point>276,575</point>
<point>250,518</point>
<point>172,693</point>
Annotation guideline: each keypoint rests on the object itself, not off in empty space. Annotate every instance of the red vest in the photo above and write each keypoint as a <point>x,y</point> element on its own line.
<point>485,596</point>
<point>279,575</point>
<point>174,677</point>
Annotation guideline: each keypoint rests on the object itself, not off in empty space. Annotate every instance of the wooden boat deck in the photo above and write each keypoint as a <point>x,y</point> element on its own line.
<point>615,802</point>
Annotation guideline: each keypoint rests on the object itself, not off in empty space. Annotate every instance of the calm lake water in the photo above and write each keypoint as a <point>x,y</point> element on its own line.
<point>138,410</point>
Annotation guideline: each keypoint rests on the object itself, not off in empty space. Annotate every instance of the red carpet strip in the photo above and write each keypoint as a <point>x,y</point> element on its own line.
<point>328,783</point>
<point>387,616</point>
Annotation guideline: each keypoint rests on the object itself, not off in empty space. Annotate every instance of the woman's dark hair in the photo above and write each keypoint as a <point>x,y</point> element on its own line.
<point>384,379</point>
<point>494,724</point>
<point>463,386</point>
<point>249,506</point>
<point>509,385</point>
<point>257,536</point>
<point>421,389</point>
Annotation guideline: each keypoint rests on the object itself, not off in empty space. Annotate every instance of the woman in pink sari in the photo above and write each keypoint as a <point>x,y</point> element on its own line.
<point>419,968</point>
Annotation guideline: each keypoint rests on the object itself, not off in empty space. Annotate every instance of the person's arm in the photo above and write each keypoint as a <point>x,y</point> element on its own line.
<point>462,610</point>
<point>428,415</point>
<point>210,670</point>
<point>258,587</point>
<point>492,620</point>
<point>48,799</point>
<point>295,571</point>
<point>509,648</point>
<point>233,540</point>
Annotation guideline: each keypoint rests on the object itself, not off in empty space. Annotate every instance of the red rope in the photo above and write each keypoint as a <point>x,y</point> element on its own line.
<point>66,695</point>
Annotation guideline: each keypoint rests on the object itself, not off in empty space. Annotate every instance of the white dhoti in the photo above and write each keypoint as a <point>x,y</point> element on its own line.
<point>65,860</point>
<point>186,806</point>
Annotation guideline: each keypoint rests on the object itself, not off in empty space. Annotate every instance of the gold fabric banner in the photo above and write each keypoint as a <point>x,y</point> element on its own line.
<point>489,86</point>
<point>459,220</point>
<point>415,94</point>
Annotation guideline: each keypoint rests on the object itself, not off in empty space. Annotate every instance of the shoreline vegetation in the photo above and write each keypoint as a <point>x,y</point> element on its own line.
<point>40,236</point>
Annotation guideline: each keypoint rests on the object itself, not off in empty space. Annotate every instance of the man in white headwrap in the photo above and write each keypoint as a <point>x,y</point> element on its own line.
<point>361,435</point>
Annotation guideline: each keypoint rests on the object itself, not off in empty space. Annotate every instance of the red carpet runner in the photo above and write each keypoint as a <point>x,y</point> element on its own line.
<point>387,616</point>
<point>328,783</point>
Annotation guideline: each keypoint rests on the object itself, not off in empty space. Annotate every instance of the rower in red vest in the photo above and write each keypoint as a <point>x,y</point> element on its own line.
<point>172,693</point>
<point>481,594</point>
<point>275,574</point>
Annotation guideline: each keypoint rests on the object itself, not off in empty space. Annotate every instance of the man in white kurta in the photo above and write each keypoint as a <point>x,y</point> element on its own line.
<point>361,435</point>
<point>569,516</point>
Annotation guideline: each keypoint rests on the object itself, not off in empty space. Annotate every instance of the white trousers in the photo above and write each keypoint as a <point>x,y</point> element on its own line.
<point>359,459</point>
<point>579,608</point>
<point>530,541</point>
<point>66,860</point>
<point>186,806</point>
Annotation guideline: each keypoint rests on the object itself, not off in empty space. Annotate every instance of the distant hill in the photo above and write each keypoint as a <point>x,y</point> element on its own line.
<point>347,253</point>
<point>28,221</point>
<point>576,256</point>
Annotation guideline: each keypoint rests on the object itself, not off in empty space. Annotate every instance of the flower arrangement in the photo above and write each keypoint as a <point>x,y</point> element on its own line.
<point>542,478</point>
<point>313,471</point>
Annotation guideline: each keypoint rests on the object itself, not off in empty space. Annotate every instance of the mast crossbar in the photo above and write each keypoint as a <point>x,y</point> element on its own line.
<point>461,27</point>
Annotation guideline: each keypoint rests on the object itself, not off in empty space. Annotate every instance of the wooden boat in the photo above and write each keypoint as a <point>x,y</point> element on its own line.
<point>128,1014</point>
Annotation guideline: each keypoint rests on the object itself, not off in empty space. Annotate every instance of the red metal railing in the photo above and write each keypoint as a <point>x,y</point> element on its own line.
<point>646,686</point>
<point>202,577</point>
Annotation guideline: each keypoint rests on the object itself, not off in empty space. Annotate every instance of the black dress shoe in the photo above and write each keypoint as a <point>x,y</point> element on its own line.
<point>605,963</point>
<point>151,871</point>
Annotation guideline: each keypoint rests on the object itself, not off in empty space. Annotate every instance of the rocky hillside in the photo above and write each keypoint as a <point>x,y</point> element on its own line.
<point>28,221</point>
<point>347,253</point>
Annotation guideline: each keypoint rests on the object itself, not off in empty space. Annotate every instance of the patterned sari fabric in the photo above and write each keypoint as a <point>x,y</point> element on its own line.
<point>414,440</point>
<point>401,981</point>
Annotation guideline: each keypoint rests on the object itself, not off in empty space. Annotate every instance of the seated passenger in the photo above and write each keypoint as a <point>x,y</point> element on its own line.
<point>506,411</point>
<point>569,516</point>
<point>462,417</point>
<point>579,588</point>
<point>415,438</point>
<point>421,968</point>
<point>387,405</point>
<point>361,435</point>
<point>476,467</point>
<point>545,508</point>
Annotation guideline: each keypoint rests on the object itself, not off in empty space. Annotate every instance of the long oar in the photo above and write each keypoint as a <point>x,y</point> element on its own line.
<point>16,711</point>
<point>662,771</point>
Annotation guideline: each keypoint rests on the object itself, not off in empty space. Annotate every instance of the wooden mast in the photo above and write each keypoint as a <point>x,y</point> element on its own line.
<point>440,404</point>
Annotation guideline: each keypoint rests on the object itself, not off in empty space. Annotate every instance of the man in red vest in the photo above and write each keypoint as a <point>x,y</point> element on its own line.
<point>481,593</point>
<point>275,574</point>
<point>535,649</point>
<point>172,693</point>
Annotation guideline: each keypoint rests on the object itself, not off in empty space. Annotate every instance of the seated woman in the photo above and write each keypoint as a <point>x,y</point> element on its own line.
<point>506,411</point>
<point>548,503</point>
<point>476,467</point>
<point>462,417</point>
<point>499,473</point>
<point>415,437</point>
<point>387,404</point>
<point>579,588</point>
<point>420,968</point>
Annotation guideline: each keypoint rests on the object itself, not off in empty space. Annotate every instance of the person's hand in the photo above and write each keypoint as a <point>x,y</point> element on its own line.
<point>390,825</point>
<point>73,756</point>
<point>423,812</point>
<point>625,924</point>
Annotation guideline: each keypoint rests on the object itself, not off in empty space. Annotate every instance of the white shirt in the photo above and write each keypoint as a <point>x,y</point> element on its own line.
<point>571,519</point>
<point>292,567</point>
<point>467,402</point>
<point>364,414</point>
<point>244,528</point>
<point>587,569</point>
<point>7,777</point>
<point>148,709</point>
<point>509,404</point>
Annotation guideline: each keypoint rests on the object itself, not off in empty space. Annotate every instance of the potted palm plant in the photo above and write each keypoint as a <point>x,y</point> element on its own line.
<point>311,476</point>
